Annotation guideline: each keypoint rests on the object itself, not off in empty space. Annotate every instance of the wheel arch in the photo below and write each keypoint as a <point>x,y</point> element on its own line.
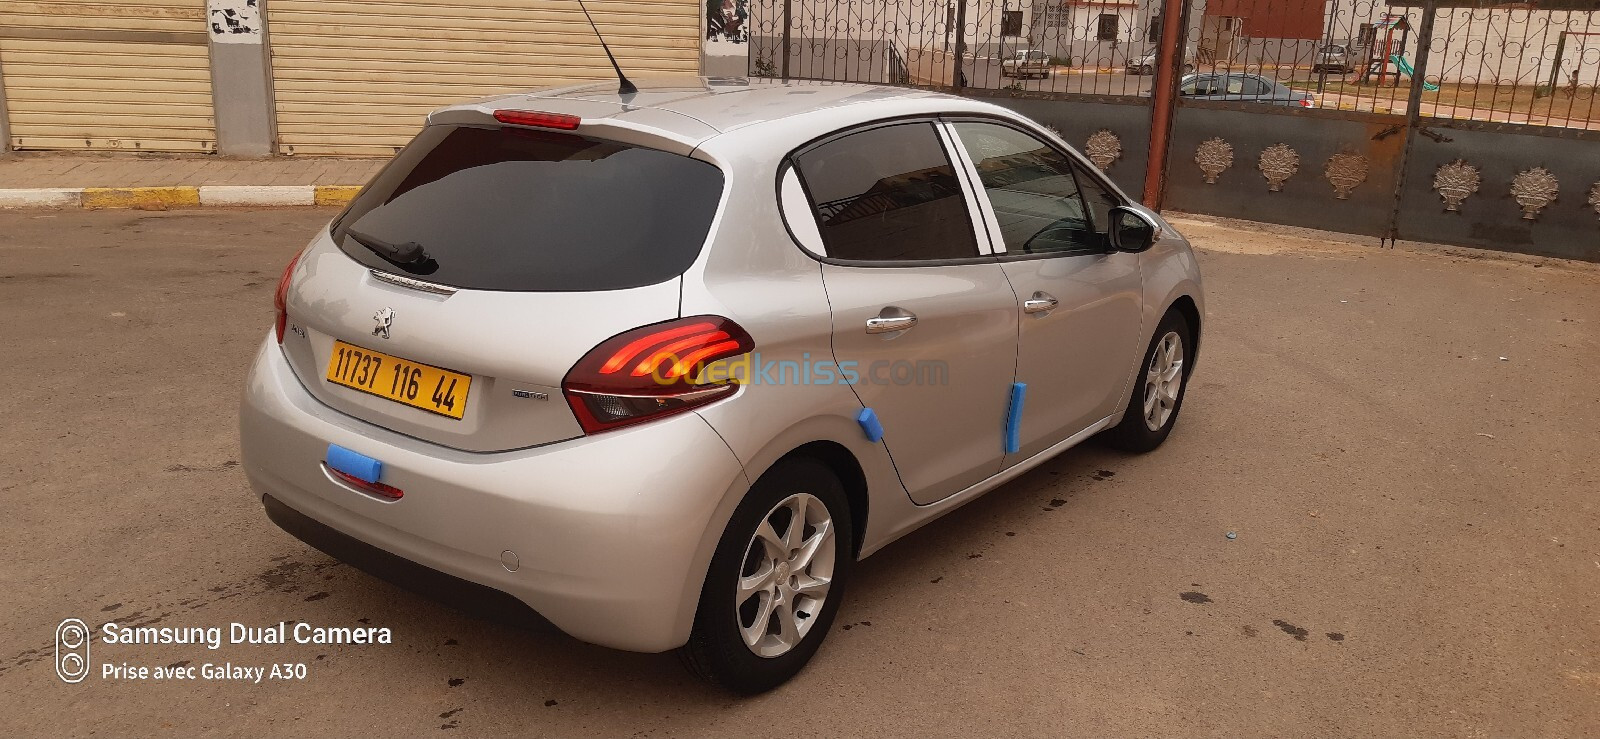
<point>847,468</point>
<point>1185,306</point>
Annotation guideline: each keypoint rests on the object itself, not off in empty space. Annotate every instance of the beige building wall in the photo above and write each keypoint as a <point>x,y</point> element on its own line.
<point>357,77</point>
<point>131,76</point>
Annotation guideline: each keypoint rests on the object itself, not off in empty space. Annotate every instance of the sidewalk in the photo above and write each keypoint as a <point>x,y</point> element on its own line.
<point>126,180</point>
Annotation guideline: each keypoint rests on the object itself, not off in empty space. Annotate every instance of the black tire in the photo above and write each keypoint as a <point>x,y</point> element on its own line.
<point>1133,434</point>
<point>716,653</point>
<point>1146,70</point>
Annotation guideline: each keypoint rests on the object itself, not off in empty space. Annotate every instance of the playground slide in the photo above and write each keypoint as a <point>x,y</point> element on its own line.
<point>1404,66</point>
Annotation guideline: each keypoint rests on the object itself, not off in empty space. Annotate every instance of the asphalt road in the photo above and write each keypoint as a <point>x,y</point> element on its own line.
<point>1417,551</point>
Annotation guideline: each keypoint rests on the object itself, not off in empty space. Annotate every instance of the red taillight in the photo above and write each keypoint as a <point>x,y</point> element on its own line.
<point>1308,102</point>
<point>653,371</point>
<point>280,299</point>
<point>376,488</point>
<point>560,121</point>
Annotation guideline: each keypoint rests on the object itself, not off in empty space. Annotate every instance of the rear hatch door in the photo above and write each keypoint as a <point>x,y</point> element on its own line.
<point>491,259</point>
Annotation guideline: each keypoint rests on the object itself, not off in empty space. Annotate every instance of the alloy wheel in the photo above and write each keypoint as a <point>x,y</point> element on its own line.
<point>784,579</point>
<point>1163,380</point>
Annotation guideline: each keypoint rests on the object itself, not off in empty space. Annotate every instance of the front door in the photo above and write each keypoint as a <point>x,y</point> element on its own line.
<point>924,320</point>
<point>1079,301</point>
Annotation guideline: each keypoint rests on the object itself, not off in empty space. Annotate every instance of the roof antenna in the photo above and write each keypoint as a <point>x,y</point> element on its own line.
<point>626,88</point>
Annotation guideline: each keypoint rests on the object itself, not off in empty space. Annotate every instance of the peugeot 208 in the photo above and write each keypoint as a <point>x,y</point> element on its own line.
<point>662,366</point>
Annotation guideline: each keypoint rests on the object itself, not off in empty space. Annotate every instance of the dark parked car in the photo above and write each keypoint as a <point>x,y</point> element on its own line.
<point>1243,87</point>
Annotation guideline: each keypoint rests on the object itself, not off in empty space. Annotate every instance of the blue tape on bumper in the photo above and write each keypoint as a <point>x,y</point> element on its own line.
<point>359,466</point>
<point>870,425</point>
<point>1019,392</point>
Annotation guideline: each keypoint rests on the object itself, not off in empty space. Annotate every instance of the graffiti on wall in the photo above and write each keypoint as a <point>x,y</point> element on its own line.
<point>726,20</point>
<point>234,21</point>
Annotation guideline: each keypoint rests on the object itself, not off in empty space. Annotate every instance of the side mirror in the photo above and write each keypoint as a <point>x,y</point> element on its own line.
<point>1131,230</point>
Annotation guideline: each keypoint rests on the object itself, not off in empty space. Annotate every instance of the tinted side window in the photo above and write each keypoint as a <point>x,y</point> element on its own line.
<point>888,194</point>
<point>1032,190</point>
<point>1100,200</point>
<point>1202,86</point>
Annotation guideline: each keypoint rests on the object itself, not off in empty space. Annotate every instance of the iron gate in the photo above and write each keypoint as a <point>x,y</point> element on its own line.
<point>1298,112</point>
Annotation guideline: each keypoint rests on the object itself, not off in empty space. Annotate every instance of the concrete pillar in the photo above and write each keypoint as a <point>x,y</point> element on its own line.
<point>241,78</point>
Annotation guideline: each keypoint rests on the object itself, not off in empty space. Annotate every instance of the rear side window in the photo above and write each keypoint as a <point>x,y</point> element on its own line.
<point>888,194</point>
<point>513,209</point>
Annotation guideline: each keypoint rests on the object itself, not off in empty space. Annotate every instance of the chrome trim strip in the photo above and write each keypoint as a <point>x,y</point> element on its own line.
<point>407,282</point>
<point>984,224</point>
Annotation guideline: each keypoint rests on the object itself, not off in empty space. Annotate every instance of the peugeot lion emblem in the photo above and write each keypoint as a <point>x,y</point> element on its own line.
<point>385,319</point>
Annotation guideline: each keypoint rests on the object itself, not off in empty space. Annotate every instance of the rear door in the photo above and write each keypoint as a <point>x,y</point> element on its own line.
<point>1079,301</point>
<point>924,321</point>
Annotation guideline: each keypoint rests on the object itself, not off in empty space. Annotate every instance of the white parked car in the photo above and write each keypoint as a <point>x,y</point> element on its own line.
<point>1025,63</point>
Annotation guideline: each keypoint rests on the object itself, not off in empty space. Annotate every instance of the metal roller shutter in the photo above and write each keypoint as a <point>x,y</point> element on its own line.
<point>357,76</point>
<point>92,75</point>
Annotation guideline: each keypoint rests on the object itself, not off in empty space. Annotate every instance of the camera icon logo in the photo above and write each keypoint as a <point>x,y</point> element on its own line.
<point>72,651</point>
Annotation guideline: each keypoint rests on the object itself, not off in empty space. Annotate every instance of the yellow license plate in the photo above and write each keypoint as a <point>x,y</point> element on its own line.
<point>433,389</point>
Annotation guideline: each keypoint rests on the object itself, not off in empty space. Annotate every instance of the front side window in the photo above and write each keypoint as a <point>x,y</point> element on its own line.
<point>1206,85</point>
<point>1246,86</point>
<point>1031,187</point>
<point>888,194</point>
<point>1100,200</point>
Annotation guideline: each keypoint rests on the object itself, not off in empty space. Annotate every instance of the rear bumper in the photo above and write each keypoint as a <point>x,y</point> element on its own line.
<point>468,596</point>
<point>612,533</point>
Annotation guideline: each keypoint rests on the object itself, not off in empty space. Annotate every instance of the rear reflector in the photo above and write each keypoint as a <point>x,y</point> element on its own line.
<point>653,371</point>
<point>374,488</point>
<point>559,121</point>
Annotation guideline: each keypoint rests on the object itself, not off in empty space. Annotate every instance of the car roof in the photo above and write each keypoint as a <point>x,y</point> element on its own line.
<point>693,109</point>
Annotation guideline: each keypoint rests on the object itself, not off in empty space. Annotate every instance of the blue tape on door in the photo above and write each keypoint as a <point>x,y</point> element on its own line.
<point>354,464</point>
<point>870,425</point>
<point>1019,391</point>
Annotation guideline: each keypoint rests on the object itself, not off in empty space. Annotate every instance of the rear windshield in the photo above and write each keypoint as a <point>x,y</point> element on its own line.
<point>513,209</point>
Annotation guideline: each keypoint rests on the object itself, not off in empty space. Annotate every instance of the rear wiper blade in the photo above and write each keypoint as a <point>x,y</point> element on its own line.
<point>408,253</point>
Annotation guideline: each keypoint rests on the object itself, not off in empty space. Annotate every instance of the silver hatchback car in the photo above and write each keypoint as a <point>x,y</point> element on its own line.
<point>661,367</point>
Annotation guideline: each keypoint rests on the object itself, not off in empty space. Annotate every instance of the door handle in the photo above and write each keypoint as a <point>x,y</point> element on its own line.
<point>890,324</point>
<point>1041,302</point>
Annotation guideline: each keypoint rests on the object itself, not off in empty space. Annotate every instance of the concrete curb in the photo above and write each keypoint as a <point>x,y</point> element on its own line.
<point>167,198</point>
